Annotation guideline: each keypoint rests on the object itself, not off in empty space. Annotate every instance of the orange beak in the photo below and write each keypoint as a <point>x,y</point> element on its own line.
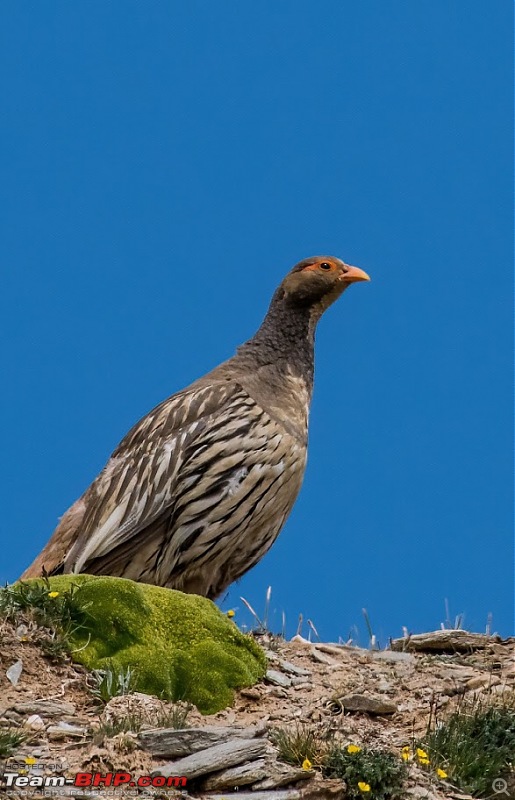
<point>354,274</point>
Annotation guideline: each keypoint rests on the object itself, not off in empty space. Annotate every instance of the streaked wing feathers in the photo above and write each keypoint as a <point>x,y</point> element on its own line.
<point>137,485</point>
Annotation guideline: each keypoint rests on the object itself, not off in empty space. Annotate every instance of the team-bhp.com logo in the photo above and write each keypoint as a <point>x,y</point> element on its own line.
<point>93,780</point>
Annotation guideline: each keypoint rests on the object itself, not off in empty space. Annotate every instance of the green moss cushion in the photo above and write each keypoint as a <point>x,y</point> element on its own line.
<point>180,646</point>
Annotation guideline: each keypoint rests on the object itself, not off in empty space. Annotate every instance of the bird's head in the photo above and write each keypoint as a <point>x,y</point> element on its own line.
<point>318,281</point>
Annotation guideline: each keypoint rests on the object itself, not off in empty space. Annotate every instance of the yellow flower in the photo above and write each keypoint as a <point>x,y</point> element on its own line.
<point>424,761</point>
<point>353,748</point>
<point>441,773</point>
<point>421,753</point>
<point>306,764</point>
<point>53,594</point>
<point>406,753</point>
<point>29,761</point>
<point>363,787</point>
<point>231,613</point>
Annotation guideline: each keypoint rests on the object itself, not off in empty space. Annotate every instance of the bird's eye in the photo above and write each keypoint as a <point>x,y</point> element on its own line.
<point>325,265</point>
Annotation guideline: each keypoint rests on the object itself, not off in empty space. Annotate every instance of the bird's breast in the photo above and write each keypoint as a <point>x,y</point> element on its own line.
<point>285,396</point>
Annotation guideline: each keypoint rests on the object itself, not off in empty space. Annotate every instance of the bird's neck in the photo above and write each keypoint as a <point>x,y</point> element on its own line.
<point>282,349</point>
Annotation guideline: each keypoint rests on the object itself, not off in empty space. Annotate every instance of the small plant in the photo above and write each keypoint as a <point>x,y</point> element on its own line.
<point>58,613</point>
<point>130,723</point>
<point>354,638</point>
<point>300,744</point>
<point>125,743</point>
<point>9,741</point>
<point>112,682</point>
<point>377,774</point>
<point>53,644</point>
<point>133,721</point>
<point>475,745</point>
<point>175,717</point>
<point>449,624</point>
<point>261,624</point>
<point>372,638</point>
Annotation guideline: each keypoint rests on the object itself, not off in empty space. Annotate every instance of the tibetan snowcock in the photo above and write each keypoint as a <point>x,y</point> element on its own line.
<point>198,490</point>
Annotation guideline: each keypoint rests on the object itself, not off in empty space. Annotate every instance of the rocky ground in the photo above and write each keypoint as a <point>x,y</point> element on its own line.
<point>361,697</point>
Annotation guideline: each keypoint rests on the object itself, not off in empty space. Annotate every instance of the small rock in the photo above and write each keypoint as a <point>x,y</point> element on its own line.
<point>279,774</point>
<point>392,655</point>
<point>451,689</point>
<point>295,681</point>
<point>324,789</point>
<point>242,775</point>
<point>12,716</point>
<point>278,691</point>
<point>277,678</point>
<point>366,704</point>
<point>251,693</point>
<point>421,793</point>
<point>482,682</point>
<point>286,666</point>
<point>455,672</point>
<point>271,655</point>
<point>48,708</point>
<point>63,730</point>
<point>322,658</point>
<point>35,723</point>
<point>500,689</point>
<point>14,672</point>
<point>303,687</point>
<point>338,649</point>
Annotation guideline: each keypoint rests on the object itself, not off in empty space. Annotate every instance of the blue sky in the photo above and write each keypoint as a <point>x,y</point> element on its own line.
<point>164,164</point>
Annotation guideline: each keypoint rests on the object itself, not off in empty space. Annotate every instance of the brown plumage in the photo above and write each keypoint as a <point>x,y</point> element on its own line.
<point>198,490</point>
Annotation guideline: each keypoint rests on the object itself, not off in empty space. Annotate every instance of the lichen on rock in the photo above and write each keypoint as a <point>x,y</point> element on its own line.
<point>179,646</point>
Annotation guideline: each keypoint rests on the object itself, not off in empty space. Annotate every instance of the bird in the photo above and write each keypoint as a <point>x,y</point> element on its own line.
<point>199,489</point>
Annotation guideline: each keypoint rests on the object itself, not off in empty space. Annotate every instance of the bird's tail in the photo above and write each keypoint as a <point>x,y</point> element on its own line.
<point>51,559</point>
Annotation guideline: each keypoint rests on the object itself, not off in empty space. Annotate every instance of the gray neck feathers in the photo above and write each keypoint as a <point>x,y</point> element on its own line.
<point>284,342</point>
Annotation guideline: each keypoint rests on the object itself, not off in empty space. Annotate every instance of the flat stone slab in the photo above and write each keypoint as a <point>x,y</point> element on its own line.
<point>445,641</point>
<point>63,730</point>
<point>280,774</point>
<point>177,743</point>
<point>277,678</point>
<point>315,790</point>
<point>367,705</point>
<point>214,759</point>
<point>46,708</point>
<point>287,666</point>
<point>243,775</point>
